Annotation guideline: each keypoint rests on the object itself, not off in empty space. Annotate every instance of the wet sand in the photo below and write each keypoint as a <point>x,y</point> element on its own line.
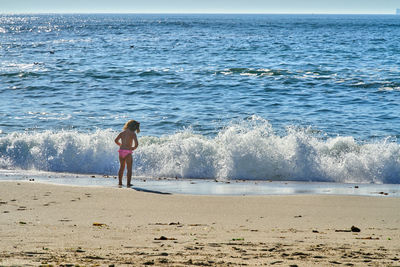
<point>210,186</point>
<point>58,224</point>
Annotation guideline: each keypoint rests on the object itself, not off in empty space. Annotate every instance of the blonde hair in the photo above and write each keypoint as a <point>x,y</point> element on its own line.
<point>133,126</point>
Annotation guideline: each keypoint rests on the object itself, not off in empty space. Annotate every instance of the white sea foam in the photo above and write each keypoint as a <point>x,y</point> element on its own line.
<point>249,150</point>
<point>64,151</point>
<point>21,67</point>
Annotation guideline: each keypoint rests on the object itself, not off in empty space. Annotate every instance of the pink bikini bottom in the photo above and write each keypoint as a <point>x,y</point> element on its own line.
<point>124,152</point>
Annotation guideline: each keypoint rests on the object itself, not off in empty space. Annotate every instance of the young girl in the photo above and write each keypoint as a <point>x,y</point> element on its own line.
<point>127,136</point>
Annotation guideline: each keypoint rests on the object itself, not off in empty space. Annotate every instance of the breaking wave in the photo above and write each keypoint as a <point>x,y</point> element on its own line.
<point>249,150</point>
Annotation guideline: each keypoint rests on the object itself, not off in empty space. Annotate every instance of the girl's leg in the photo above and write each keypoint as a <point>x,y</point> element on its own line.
<point>128,169</point>
<point>121,170</point>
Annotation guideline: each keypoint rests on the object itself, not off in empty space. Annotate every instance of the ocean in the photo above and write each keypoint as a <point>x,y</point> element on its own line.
<point>304,98</point>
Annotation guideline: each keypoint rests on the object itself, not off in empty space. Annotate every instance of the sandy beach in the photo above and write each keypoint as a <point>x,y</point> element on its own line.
<point>44,224</point>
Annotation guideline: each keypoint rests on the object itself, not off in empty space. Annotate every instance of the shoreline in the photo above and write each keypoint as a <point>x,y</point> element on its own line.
<point>209,186</point>
<point>50,224</point>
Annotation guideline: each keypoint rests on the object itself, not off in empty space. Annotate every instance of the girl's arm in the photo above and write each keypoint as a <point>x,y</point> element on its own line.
<point>117,140</point>
<point>136,142</point>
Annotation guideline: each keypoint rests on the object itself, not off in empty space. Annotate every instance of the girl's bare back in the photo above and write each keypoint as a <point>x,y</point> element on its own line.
<point>127,137</point>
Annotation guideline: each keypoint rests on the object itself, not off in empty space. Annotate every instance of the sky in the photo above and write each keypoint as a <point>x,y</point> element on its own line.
<point>201,6</point>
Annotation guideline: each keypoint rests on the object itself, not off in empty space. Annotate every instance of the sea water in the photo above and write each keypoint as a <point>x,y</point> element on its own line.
<point>310,98</point>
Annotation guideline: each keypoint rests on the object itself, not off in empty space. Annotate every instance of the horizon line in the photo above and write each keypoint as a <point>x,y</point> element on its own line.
<point>190,13</point>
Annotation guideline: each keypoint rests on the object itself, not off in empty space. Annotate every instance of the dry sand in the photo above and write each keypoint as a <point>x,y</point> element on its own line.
<point>67,225</point>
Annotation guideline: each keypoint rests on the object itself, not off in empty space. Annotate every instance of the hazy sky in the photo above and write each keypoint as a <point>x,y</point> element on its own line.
<point>200,6</point>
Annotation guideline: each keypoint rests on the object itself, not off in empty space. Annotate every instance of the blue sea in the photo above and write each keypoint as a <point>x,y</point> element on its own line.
<point>304,98</point>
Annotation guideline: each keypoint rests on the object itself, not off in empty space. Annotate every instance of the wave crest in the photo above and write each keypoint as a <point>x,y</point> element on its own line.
<point>249,150</point>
